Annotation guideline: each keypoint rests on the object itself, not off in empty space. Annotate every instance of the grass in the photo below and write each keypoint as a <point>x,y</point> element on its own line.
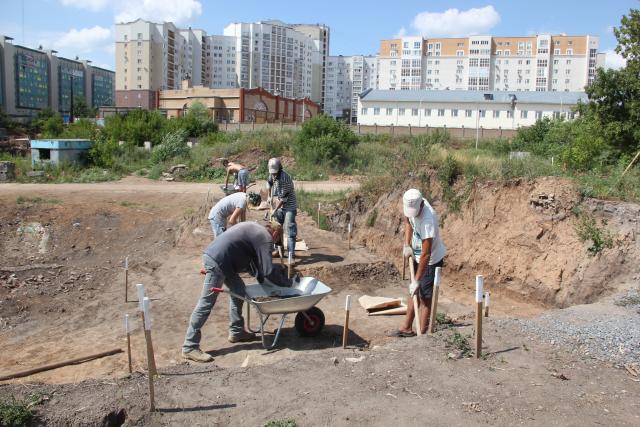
<point>588,230</point>
<point>26,199</point>
<point>287,422</point>
<point>459,342</point>
<point>308,202</point>
<point>18,413</point>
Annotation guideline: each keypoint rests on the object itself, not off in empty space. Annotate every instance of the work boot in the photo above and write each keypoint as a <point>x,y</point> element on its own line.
<point>197,355</point>
<point>242,336</point>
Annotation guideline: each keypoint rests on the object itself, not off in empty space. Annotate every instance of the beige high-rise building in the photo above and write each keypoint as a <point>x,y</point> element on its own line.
<point>528,63</point>
<point>282,58</point>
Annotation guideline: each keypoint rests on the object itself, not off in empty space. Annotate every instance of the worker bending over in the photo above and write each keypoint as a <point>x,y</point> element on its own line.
<point>244,248</point>
<point>231,210</point>
<point>240,172</point>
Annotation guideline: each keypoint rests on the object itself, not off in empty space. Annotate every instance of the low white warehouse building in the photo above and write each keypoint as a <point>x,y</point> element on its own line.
<point>463,108</point>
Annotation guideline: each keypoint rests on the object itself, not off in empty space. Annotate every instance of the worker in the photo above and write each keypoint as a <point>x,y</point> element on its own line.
<point>424,248</point>
<point>280,185</point>
<point>243,248</point>
<point>231,210</point>
<point>240,172</point>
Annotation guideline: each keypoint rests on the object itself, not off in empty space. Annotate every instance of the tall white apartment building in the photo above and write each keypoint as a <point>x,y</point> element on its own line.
<point>346,78</point>
<point>285,59</point>
<point>530,63</point>
<point>277,57</point>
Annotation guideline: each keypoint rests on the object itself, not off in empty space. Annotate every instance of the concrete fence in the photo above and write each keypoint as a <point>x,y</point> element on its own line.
<point>458,133</point>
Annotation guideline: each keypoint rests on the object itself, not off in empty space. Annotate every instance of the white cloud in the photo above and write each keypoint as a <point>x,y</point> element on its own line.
<point>455,22</point>
<point>179,12</point>
<point>614,60</point>
<point>94,5</point>
<point>401,33</point>
<point>85,40</point>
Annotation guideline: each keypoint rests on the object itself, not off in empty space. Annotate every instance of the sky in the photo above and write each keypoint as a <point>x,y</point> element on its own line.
<point>85,28</point>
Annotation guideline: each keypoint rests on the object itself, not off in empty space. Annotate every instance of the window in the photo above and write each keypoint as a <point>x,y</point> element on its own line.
<point>556,114</point>
<point>509,114</point>
<point>414,111</point>
<point>389,111</point>
<point>538,115</point>
<point>416,45</point>
<point>468,113</point>
<point>569,51</point>
<point>401,111</point>
<point>556,51</point>
<point>139,36</point>
<point>405,45</point>
<point>363,111</point>
<point>427,112</point>
<point>482,113</point>
<point>496,114</point>
<point>454,113</point>
<point>376,111</point>
<point>459,52</point>
<point>524,114</point>
<point>441,112</point>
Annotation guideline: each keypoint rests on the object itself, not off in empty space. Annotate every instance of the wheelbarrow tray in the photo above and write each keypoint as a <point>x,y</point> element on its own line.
<point>292,300</point>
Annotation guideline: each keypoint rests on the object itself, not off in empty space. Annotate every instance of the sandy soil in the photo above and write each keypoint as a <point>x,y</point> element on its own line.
<point>70,302</point>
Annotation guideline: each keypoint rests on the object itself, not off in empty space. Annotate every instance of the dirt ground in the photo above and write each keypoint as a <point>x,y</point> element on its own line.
<point>62,296</point>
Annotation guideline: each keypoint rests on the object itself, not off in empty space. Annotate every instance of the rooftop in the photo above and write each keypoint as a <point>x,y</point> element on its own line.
<point>473,96</point>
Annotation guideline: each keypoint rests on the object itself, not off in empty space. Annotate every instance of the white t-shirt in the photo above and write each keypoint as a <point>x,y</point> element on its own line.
<point>425,226</point>
<point>225,207</point>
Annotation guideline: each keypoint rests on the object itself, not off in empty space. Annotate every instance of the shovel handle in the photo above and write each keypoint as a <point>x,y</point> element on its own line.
<point>416,308</point>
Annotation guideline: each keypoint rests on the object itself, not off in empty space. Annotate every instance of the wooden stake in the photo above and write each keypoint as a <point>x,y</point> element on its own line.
<point>128,332</point>
<point>349,231</point>
<point>61,364</point>
<point>150,355</point>
<point>318,214</point>
<point>290,269</point>
<point>126,279</point>
<point>486,304</point>
<point>416,307</point>
<point>479,288</point>
<point>434,301</point>
<point>345,331</point>
<point>141,298</point>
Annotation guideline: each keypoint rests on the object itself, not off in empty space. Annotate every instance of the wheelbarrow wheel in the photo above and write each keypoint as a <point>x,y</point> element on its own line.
<point>310,329</point>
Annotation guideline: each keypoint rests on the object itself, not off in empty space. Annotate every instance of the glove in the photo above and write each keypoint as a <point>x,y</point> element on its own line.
<point>413,288</point>
<point>407,252</point>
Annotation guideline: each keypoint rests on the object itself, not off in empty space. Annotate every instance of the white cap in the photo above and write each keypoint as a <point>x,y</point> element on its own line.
<point>411,203</point>
<point>274,165</point>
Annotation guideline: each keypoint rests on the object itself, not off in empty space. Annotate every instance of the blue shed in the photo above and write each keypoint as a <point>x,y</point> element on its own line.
<point>57,151</point>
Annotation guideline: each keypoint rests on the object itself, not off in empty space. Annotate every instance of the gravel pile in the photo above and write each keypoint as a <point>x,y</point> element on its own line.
<point>608,333</point>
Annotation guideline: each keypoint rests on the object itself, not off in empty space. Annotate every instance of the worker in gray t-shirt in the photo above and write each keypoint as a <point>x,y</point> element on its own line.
<point>231,210</point>
<point>245,247</point>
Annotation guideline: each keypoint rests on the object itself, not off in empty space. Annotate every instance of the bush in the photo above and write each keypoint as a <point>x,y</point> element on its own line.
<point>324,140</point>
<point>174,144</point>
<point>587,229</point>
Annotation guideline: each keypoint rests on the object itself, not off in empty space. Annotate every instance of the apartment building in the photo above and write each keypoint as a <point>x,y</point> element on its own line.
<point>34,79</point>
<point>532,63</point>
<point>277,57</point>
<point>283,58</point>
<point>346,78</point>
<point>464,108</point>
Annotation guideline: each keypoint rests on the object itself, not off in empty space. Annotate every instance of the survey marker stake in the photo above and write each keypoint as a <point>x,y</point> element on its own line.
<point>434,300</point>
<point>150,355</point>
<point>479,292</point>
<point>127,330</point>
<point>486,304</point>
<point>345,331</point>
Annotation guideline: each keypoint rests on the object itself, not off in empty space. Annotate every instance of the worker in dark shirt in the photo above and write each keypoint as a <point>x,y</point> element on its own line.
<point>246,247</point>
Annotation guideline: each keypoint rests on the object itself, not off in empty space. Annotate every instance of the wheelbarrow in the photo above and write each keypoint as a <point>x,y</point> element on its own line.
<point>269,299</point>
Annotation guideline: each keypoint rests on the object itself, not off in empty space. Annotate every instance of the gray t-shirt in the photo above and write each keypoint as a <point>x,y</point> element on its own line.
<point>225,207</point>
<point>245,247</point>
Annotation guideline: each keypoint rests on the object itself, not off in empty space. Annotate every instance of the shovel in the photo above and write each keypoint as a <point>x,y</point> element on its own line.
<point>416,312</point>
<point>280,251</point>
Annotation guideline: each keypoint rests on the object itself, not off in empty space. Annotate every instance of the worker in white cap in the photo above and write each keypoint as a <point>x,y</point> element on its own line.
<point>280,185</point>
<point>424,247</point>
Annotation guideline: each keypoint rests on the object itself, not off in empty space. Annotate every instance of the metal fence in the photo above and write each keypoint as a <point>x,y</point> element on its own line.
<point>458,133</point>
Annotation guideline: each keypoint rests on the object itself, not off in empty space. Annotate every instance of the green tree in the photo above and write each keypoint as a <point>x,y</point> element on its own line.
<point>81,109</point>
<point>324,140</point>
<point>197,121</point>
